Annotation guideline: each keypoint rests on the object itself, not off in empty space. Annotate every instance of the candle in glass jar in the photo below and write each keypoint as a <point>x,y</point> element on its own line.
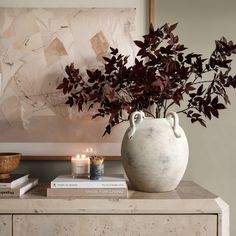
<point>80,166</point>
<point>96,167</point>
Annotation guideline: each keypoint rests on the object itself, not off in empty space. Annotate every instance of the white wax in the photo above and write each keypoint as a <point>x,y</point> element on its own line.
<point>80,165</point>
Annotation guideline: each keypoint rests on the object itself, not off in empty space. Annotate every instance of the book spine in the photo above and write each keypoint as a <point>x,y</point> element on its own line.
<point>5,185</point>
<point>9,193</point>
<point>19,181</point>
<point>17,192</point>
<point>14,183</point>
<point>89,192</point>
<point>28,187</point>
<point>87,185</point>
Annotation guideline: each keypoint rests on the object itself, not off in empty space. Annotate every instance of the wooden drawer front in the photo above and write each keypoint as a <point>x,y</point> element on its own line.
<point>5,225</point>
<point>112,225</point>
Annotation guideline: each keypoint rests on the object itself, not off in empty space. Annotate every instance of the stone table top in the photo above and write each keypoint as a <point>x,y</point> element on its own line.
<point>187,198</point>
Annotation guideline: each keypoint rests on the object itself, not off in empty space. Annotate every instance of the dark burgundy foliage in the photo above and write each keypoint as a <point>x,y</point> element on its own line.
<point>161,76</point>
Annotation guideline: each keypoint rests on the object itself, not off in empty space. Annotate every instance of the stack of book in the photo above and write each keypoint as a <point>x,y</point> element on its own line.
<point>109,187</point>
<point>16,185</point>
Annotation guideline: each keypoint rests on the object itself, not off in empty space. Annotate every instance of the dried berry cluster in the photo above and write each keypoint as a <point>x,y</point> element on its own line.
<point>161,76</point>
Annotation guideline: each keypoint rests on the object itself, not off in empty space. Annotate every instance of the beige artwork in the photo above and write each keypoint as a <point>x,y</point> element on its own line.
<point>35,47</point>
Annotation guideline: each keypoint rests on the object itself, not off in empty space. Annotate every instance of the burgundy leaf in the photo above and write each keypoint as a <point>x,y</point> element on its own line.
<point>220,106</point>
<point>163,74</point>
<point>140,44</point>
<point>113,51</point>
<point>214,112</point>
<point>200,90</point>
<point>172,27</point>
<point>60,86</point>
<point>202,122</point>
<point>189,87</point>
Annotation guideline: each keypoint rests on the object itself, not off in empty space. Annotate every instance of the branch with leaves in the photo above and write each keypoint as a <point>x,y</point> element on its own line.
<point>162,75</point>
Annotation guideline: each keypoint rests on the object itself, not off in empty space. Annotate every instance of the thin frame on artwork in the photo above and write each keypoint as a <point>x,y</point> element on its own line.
<point>65,154</point>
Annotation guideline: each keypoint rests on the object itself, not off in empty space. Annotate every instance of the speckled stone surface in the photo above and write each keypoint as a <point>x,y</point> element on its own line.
<point>5,225</point>
<point>116,225</point>
<point>188,209</point>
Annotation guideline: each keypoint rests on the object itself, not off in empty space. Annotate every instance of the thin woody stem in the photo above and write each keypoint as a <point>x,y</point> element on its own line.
<point>205,81</point>
<point>148,112</point>
<point>184,110</point>
<point>172,103</point>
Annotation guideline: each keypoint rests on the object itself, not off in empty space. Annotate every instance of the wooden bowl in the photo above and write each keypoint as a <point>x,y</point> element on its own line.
<point>8,163</point>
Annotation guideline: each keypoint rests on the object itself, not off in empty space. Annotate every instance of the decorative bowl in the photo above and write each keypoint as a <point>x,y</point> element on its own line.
<point>8,163</point>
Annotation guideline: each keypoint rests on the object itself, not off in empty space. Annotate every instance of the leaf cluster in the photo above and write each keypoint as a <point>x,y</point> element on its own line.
<point>162,75</point>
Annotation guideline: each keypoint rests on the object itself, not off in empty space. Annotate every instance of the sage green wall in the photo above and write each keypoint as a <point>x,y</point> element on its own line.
<point>212,161</point>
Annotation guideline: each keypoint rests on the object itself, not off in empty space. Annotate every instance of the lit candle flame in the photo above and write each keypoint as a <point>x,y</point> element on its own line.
<point>81,156</point>
<point>89,150</point>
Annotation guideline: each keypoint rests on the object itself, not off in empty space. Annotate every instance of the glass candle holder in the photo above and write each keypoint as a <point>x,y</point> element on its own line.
<point>80,166</point>
<point>96,168</point>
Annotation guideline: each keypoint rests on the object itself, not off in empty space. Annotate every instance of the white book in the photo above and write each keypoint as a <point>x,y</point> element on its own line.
<point>67,181</point>
<point>14,180</point>
<point>19,190</point>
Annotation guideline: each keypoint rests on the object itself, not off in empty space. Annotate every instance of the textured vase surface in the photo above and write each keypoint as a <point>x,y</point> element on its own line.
<point>154,152</point>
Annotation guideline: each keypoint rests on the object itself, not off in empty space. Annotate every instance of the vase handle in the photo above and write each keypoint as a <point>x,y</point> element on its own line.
<point>135,119</point>
<point>173,119</point>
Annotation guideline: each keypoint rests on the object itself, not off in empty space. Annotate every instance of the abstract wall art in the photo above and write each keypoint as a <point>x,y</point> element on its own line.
<point>35,46</point>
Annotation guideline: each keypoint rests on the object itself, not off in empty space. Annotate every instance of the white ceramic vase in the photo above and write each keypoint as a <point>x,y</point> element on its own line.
<point>154,152</point>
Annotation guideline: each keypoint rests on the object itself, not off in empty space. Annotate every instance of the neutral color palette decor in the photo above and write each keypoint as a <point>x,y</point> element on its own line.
<point>188,211</point>
<point>36,44</point>
<point>8,163</point>
<point>154,152</point>
<point>163,76</point>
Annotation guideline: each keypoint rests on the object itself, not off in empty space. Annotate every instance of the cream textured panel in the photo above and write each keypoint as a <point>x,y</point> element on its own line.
<point>115,225</point>
<point>5,225</point>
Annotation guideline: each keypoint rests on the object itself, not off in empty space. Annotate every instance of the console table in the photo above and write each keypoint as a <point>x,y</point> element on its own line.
<point>190,210</point>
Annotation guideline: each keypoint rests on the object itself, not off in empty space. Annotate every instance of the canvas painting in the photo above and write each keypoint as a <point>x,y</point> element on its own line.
<point>35,47</point>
